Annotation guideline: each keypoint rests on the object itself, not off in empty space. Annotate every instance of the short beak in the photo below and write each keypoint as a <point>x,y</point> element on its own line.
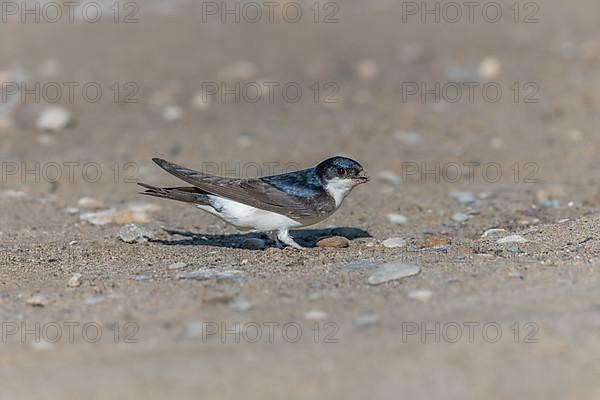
<point>362,179</point>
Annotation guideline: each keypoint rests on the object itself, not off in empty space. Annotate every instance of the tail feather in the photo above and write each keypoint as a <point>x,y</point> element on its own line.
<point>186,194</point>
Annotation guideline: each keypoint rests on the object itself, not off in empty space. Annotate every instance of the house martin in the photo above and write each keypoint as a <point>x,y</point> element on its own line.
<point>272,203</point>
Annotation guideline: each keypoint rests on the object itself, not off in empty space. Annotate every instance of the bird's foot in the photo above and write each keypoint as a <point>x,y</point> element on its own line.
<point>284,237</point>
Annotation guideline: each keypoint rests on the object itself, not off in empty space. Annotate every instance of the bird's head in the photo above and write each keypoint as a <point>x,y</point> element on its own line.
<point>339,175</point>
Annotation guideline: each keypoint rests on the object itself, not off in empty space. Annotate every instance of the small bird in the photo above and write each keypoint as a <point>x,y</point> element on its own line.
<point>272,203</point>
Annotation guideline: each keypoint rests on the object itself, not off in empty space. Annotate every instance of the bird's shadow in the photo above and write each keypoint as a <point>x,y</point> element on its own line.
<point>305,237</point>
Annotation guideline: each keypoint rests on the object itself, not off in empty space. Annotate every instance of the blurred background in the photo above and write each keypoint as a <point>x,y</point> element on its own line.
<point>468,117</point>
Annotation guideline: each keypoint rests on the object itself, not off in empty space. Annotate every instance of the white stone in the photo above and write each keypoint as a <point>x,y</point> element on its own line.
<point>420,294</point>
<point>393,271</point>
<point>394,242</point>
<point>315,315</point>
<point>512,239</point>
<point>53,119</point>
<point>489,68</point>
<point>398,219</point>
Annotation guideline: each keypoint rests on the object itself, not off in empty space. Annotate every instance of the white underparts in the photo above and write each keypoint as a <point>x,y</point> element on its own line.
<point>339,189</point>
<point>248,217</point>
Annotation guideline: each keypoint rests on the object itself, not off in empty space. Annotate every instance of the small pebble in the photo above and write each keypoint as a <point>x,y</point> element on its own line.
<point>492,231</point>
<point>334,241</point>
<point>364,321</point>
<point>512,239</point>
<point>90,203</point>
<point>435,241</point>
<point>99,218</point>
<point>241,306</point>
<point>459,217</point>
<point>178,265</point>
<point>420,294</point>
<point>129,217</point>
<point>36,301</point>
<point>393,271</point>
<point>172,113</point>
<point>397,219</point>
<point>204,274</point>
<point>143,277</point>
<point>315,315</point>
<point>464,197</point>
<point>489,68</point>
<point>389,177</point>
<point>194,330</point>
<point>407,137</point>
<point>393,242</point>
<point>254,244</point>
<point>54,119</point>
<point>93,300</point>
<point>132,233</point>
<point>74,281</point>
<point>367,69</point>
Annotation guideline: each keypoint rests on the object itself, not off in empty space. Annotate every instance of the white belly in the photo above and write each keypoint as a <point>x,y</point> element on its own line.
<point>244,216</point>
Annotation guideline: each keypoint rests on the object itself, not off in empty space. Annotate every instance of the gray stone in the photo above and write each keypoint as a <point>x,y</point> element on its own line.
<point>241,306</point>
<point>177,265</point>
<point>397,219</point>
<point>467,198</point>
<point>254,244</point>
<point>393,271</point>
<point>132,233</point>
<point>394,242</point>
<point>512,239</point>
<point>389,177</point>
<point>460,217</point>
<point>94,299</point>
<point>205,274</point>
<point>366,320</point>
<point>407,137</point>
<point>54,119</point>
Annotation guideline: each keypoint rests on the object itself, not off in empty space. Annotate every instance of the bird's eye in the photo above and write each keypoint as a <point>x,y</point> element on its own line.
<point>341,171</point>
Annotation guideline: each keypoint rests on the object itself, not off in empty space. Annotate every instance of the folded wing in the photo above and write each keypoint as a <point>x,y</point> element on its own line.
<point>253,192</point>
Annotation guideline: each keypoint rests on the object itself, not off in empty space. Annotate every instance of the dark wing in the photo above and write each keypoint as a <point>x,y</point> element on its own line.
<point>186,194</point>
<point>252,192</point>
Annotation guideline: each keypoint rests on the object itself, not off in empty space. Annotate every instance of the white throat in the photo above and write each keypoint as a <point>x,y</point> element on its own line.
<point>339,189</point>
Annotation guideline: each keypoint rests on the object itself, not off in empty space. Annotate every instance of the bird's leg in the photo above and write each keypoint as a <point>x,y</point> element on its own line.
<point>284,236</point>
<point>273,236</point>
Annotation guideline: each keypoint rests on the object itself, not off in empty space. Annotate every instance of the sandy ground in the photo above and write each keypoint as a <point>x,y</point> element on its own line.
<point>482,319</point>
